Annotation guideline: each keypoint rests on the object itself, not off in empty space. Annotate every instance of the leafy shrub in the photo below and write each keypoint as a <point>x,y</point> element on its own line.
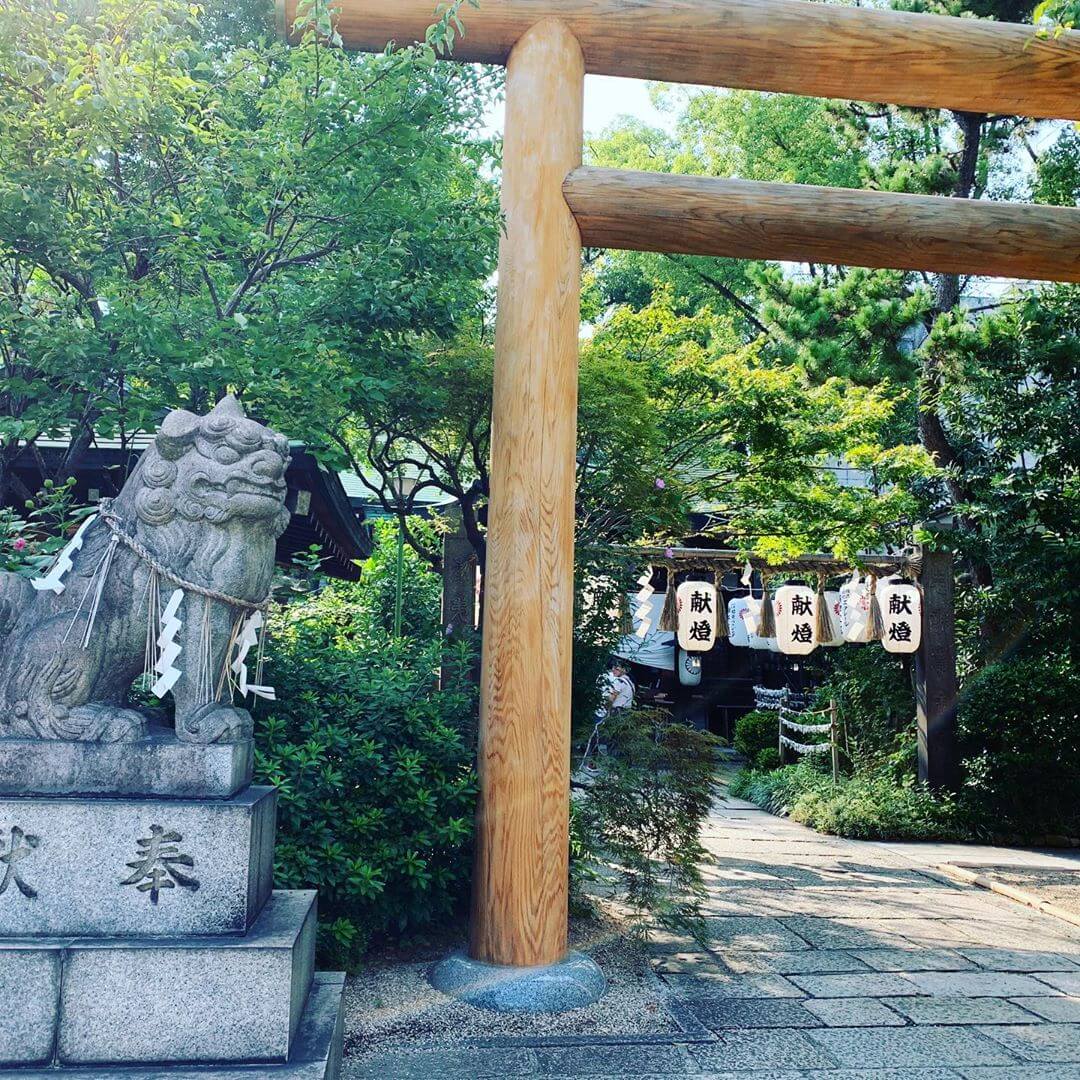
<point>865,807</point>
<point>643,813</point>
<point>374,767</point>
<point>1020,726</point>
<point>29,541</point>
<point>396,579</point>
<point>599,587</point>
<point>756,733</point>
<point>768,759</point>
<point>875,704</point>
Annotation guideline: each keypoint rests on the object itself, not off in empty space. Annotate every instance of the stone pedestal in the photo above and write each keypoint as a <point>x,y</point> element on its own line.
<point>139,934</point>
<point>163,767</point>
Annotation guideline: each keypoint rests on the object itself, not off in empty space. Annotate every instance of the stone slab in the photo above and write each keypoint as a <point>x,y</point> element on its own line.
<point>1022,960</point>
<point>29,1004</point>
<point>211,999</point>
<point>1058,1010</point>
<point>872,984</point>
<point>964,1011</point>
<point>759,1050</point>
<point>1050,1043</point>
<point>755,932</point>
<point>1067,982</point>
<point>915,960</point>
<point>158,766</point>
<point>852,1012</point>
<point>747,1013</point>
<point>978,984</point>
<point>447,1064</point>
<point>614,1061</point>
<point>79,874</point>
<point>909,1047</point>
<point>316,1052</point>
<point>732,986</point>
<point>1021,1072</point>
<point>811,962</point>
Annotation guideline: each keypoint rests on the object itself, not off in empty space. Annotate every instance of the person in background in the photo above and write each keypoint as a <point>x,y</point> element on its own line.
<point>618,689</point>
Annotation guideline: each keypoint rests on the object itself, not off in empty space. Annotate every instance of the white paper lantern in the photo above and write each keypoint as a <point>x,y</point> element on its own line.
<point>689,666</point>
<point>696,603</point>
<point>855,609</point>
<point>832,601</point>
<point>796,619</point>
<point>901,616</point>
<point>738,614</point>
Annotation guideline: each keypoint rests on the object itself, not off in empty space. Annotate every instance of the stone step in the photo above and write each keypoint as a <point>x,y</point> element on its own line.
<point>315,1054</point>
<point>97,1001</point>
<point>97,866</point>
<point>161,765</point>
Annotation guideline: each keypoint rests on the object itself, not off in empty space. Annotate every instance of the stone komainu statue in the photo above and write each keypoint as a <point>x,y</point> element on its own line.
<point>204,508</point>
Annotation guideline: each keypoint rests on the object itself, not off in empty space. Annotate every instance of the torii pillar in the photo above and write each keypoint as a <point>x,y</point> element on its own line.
<point>518,955</point>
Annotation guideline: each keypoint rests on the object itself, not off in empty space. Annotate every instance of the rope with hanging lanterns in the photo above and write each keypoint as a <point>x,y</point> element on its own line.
<point>788,618</point>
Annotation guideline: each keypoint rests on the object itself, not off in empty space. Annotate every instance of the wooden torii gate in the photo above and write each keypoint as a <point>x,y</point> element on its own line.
<point>553,205</point>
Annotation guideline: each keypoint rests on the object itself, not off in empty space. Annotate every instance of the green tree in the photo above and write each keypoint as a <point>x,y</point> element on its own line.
<point>182,213</point>
<point>1010,397</point>
<point>675,412</point>
<point>871,327</point>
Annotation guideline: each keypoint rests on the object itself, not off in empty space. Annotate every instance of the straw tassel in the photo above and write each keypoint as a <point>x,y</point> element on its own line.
<point>825,630</point>
<point>669,616</point>
<point>875,624</point>
<point>721,603</point>
<point>767,624</point>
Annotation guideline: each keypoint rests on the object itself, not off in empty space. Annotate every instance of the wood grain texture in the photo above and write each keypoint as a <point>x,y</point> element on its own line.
<point>521,880</point>
<point>815,49</point>
<point>745,219</point>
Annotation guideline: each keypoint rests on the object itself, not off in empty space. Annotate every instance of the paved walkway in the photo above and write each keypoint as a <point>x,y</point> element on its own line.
<point>832,959</point>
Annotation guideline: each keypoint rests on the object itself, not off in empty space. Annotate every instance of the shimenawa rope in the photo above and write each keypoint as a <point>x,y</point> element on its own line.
<point>116,528</point>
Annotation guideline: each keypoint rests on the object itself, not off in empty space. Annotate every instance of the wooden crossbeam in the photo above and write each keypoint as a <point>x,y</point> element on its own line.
<point>792,46</point>
<point>694,215</point>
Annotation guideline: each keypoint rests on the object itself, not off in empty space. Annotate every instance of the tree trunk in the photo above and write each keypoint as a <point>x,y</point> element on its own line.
<point>947,291</point>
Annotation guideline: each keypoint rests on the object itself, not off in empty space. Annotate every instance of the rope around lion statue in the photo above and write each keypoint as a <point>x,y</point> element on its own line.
<point>164,622</point>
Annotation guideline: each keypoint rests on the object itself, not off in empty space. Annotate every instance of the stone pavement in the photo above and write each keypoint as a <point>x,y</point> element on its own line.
<point>827,958</point>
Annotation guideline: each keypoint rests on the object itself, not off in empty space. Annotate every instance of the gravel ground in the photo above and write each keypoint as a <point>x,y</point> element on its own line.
<point>389,1006</point>
<point>1059,887</point>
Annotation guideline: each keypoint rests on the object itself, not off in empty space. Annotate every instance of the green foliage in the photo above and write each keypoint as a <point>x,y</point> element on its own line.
<point>642,815</point>
<point>1058,172</point>
<point>875,705</point>
<point>221,213</point>
<point>30,541</point>
<point>374,766</point>
<point>873,806</point>
<point>1011,395</point>
<point>404,588</point>
<point>1020,726</point>
<point>756,734</point>
<point>768,758</point>
<point>600,585</point>
<point>1065,14</point>
<point>755,136</point>
<point>851,325</point>
<point>730,431</point>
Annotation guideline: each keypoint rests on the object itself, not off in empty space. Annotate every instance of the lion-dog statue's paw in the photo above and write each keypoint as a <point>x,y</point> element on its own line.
<point>216,723</point>
<point>100,723</point>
